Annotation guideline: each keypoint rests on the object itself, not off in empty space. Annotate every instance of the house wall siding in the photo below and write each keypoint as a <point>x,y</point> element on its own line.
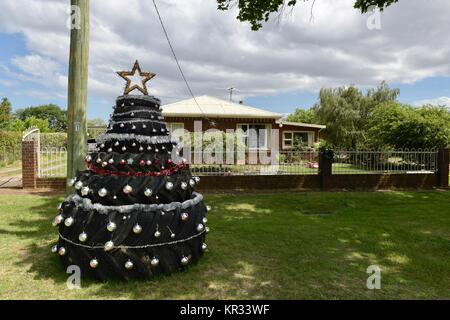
<point>223,124</point>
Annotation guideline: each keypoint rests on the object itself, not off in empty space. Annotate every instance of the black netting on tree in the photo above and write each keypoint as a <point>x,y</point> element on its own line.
<point>134,213</point>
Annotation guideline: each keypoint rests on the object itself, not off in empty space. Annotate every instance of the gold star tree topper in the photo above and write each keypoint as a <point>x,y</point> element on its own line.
<point>130,76</point>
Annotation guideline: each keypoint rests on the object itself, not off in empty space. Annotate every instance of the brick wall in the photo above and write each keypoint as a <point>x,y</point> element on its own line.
<point>29,164</point>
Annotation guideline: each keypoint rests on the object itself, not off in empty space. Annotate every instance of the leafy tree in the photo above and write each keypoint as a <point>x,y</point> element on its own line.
<point>96,122</point>
<point>22,125</point>
<point>303,115</point>
<point>397,125</point>
<point>5,113</point>
<point>56,117</point>
<point>346,112</point>
<point>258,11</point>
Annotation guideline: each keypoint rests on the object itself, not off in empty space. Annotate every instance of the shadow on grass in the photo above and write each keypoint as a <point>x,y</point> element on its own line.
<point>271,247</point>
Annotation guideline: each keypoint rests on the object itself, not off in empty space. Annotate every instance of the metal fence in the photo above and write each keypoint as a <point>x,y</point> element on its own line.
<point>52,162</point>
<point>387,162</point>
<point>9,155</point>
<point>282,163</point>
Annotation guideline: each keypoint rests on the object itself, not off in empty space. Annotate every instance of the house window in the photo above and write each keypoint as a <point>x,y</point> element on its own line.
<point>255,136</point>
<point>292,139</point>
<point>172,126</point>
<point>176,129</point>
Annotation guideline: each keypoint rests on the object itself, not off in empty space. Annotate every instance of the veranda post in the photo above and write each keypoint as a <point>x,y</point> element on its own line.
<point>77,88</point>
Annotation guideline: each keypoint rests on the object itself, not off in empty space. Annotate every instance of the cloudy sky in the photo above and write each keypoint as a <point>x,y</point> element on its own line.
<point>279,68</point>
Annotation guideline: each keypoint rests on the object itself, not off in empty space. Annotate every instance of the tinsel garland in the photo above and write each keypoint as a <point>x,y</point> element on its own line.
<point>139,138</point>
<point>165,172</point>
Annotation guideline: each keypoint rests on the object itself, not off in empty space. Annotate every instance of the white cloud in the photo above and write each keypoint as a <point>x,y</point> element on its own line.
<point>441,101</point>
<point>216,51</point>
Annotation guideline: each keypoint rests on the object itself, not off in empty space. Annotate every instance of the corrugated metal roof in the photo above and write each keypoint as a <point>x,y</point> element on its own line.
<point>215,108</point>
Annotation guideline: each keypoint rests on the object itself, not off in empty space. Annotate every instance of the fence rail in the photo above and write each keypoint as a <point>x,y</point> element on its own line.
<point>387,162</point>
<point>52,162</point>
<point>9,155</point>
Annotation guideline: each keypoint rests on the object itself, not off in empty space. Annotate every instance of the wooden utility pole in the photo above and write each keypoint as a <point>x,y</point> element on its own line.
<point>77,89</point>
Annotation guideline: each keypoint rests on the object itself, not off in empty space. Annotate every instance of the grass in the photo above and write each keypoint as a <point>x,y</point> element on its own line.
<point>277,246</point>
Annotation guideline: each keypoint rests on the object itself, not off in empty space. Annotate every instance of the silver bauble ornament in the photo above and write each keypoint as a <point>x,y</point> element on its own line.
<point>109,245</point>
<point>197,179</point>
<point>149,162</point>
<point>71,182</point>
<point>111,226</point>
<point>184,261</point>
<point>172,235</point>
<point>127,189</point>
<point>93,263</point>
<point>148,192</point>
<point>58,219</point>
<point>124,148</point>
<point>192,182</point>
<point>154,262</point>
<point>184,185</point>
<point>116,143</point>
<point>141,149</point>
<point>204,246</point>
<point>102,192</point>
<point>157,234</point>
<point>68,222</point>
<point>109,149</point>
<point>169,185</point>
<point>200,227</point>
<point>84,191</point>
<point>129,265</point>
<point>205,220</point>
<point>78,185</point>
<point>82,237</point>
<point>207,229</point>
<point>88,158</point>
<point>184,216</point>
<point>208,208</point>
<point>55,249</point>
<point>122,125</point>
<point>104,164</point>
<point>144,126</point>
<point>133,127</point>
<point>137,228</point>
<point>62,251</point>
<point>98,160</point>
<point>111,161</point>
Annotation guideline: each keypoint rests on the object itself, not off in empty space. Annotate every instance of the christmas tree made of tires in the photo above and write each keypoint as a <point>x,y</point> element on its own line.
<point>135,213</point>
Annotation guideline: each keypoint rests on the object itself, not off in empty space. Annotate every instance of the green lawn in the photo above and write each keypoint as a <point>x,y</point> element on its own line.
<point>278,246</point>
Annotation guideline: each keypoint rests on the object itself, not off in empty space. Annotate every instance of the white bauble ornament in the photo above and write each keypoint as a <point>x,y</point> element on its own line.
<point>109,245</point>
<point>78,185</point>
<point>85,191</point>
<point>169,185</point>
<point>129,265</point>
<point>127,189</point>
<point>154,262</point>
<point>68,222</point>
<point>157,234</point>
<point>200,227</point>
<point>184,261</point>
<point>137,228</point>
<point>62,251</point>
<point>58,219</point>
<point>93,263</point>
<point>184,216</point>
<point>111,226</point>
<point>102,192</point>
<point>148,192</point>
<point>55,249</point>
<point>184,185</point>
<point>82,237</point>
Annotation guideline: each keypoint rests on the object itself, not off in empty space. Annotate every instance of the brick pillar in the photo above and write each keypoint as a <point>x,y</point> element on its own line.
<point>325,169</point>
<point>29,164</point>
<point>442,168</point>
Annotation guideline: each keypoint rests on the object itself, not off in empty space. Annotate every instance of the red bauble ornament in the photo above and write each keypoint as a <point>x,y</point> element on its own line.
<point>123,162</point>
<point>142,163</point>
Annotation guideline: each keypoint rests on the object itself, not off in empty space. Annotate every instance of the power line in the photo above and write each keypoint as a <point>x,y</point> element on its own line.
<point>175,57</point>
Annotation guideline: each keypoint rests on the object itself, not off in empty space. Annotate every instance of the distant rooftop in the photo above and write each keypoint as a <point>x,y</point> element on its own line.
<point>215,108</point>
